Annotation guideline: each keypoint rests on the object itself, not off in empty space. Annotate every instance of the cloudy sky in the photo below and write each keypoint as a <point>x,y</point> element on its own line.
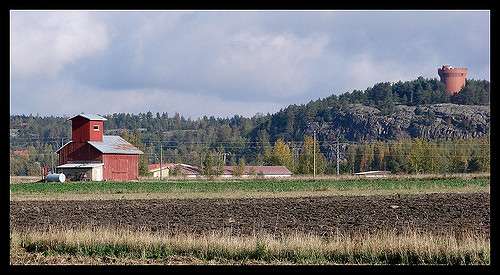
<point>226,63</point>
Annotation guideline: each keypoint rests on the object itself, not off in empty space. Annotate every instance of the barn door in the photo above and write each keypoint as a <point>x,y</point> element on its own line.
<point>120,171</point>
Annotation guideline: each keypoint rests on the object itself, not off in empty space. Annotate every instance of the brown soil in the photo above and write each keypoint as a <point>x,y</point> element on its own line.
<point>435,213</point>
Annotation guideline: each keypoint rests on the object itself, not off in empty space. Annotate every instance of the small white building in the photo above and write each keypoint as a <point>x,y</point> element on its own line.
<point>167,169</point>
<point>156,170</point>
<point>82,170</point>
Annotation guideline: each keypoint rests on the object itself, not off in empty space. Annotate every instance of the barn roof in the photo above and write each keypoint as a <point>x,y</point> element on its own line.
<point>89,117</point>
<point>111,145</point>
<point>115,145</point>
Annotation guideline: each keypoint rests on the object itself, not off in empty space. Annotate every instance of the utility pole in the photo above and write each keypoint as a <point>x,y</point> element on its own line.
<point>338,167</point>
<point>161,161</point>
<point>314,155</point>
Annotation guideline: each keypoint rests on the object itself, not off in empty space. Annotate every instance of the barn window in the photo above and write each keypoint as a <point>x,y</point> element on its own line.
<point>96,127</point>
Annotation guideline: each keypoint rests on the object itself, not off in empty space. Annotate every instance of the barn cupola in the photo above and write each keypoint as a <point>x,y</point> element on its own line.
<point>87,127</point>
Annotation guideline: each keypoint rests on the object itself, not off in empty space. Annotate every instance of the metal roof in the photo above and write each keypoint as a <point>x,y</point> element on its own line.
<point>186,169</point>
<point>115,145</point>
<point>156,166</point>
<point>89,117</point>
<point>373,173</point>
<point>80,165</point>
<point>266,170</point>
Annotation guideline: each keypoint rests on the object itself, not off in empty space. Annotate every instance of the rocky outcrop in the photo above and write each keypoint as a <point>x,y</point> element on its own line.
<point>357,122</point>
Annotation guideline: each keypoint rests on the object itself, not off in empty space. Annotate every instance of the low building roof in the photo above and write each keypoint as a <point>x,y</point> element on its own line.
<point>186,169</point>
<point>81,165</point>
<point>373,173</point>
<point>189,170</point>
<point>266,170</point>
<point>156,166</point>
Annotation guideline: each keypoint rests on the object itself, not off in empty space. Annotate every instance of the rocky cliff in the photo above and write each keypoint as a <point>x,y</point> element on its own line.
<point>357,122</point>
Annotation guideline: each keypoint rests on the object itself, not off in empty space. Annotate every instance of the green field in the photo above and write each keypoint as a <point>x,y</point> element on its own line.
<point>242,188</point>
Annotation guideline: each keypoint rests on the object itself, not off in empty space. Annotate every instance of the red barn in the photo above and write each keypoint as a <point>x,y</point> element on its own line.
<point>94,156</point>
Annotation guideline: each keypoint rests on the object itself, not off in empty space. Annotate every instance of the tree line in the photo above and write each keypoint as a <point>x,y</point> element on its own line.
<point>249,140</point>
<point>411,156</point>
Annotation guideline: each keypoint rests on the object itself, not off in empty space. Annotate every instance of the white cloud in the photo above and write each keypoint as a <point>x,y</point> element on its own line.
<point>228,62</point>
<point>364,71</point>
<point>42,43</point>
<point>274,65</point>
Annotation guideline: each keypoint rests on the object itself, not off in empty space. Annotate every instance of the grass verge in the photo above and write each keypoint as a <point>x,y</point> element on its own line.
<point>384,248</point>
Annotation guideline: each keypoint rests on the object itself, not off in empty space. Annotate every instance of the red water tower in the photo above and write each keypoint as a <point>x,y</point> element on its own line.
<point>453,78</point>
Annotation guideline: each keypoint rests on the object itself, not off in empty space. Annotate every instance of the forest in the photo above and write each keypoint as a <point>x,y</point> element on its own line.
<point>273,139</point>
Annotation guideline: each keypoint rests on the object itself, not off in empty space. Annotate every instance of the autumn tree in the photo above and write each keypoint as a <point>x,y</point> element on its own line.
<point>281,154</point>
<point>306,157</point>
<point>240,169</point>
<point>351,157</point>
<point>379,156</point>
<point>365,157</point>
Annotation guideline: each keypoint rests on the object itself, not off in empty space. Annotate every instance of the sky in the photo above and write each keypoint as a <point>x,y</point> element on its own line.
<point>224,63</point>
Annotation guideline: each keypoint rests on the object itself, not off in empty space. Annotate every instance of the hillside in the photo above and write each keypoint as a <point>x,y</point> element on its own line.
<point>416,108</point>
<point>420,108</point>
<point>356,122</point>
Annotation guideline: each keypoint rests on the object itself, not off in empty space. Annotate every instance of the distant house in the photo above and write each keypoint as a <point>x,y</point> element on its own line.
<point>168,169</point>
<point>93,156</point>
<point>155,170</point>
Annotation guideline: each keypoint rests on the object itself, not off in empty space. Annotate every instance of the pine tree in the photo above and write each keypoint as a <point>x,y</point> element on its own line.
<point>207,163</point>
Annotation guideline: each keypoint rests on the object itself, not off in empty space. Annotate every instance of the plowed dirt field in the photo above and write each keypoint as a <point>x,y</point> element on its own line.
<point>434,213</point>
